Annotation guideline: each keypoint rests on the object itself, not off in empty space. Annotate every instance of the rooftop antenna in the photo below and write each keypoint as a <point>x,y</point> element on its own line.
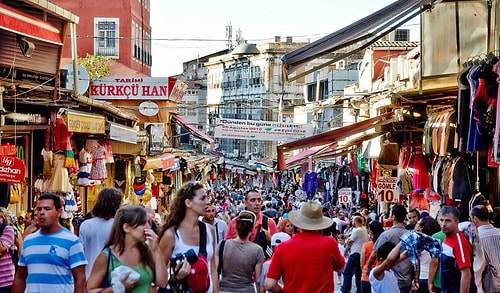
<point>229,36</point>
<point>239,37</point>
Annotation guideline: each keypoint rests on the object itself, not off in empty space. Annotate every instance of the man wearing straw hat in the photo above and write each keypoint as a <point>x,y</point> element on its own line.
<point>307,261</point>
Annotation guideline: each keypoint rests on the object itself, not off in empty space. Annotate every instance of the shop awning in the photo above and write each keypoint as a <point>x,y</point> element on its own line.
<point>307,153</point>
<point>121,132</point>
<point>366,31</point>
<point>164,162</point>
<point>24,24</point>
<point>332,136</point>
<point>192,129</point>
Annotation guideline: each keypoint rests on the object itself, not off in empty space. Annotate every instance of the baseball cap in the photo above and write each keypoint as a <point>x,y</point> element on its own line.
<point>278,238</point>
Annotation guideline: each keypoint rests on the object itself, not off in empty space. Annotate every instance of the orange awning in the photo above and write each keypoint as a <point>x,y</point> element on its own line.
<point>331,137</point>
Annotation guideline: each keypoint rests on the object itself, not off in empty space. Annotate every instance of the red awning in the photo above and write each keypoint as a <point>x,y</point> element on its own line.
<point>330,137</point>
<point>193,130</point>
<point>307,153</point>
<point>24,24</point>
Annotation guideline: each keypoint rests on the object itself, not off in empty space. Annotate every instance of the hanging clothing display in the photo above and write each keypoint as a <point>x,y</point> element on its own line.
<point>85,163</point>
<point>98,171</point>
<point>61,136</point>
<point>47,163</point>
<point>310,184</point>
<point>59,182</point>
<point>419,167</point>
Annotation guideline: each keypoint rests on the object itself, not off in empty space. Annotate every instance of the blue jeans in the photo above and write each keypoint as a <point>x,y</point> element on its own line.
<point>352,268</point>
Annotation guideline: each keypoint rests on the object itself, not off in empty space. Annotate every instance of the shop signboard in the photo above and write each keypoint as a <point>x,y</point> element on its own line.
<point>261,130</point>
<point>345,195</point>
<point>83,122</point>
<point>12,169</point>
<point>8,149</point>
<point>386,189</point>
<point>131,88</point>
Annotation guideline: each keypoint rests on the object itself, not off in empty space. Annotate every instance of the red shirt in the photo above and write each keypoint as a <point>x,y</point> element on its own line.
<point>306,263</point>
<point>232,233</point>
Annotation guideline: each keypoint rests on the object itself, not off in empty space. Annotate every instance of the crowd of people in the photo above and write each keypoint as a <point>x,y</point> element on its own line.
<point>246,241</point>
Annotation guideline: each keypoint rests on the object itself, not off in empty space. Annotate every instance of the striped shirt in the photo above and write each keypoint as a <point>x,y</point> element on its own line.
<point>490,238</point>
<point>6,266</point>
<point>49,259</point>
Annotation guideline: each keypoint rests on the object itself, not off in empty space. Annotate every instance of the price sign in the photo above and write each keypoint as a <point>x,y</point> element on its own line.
<point>386,189</point>
<point>345,195</point>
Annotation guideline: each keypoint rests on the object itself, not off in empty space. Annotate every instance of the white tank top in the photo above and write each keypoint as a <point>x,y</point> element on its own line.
<point>389,284</point>
<point>181,247</point>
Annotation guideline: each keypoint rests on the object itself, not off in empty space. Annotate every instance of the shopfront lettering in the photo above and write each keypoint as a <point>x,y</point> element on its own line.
<point>84,124</point>
<point>126,88</point>
<point>12,169</point>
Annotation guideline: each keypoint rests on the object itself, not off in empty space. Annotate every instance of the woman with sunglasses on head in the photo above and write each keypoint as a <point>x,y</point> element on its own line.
<point>241,258</point>
<point>183,232</point>
<point>133,244</point>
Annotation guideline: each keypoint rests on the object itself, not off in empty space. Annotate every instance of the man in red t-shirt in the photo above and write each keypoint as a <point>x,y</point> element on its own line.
<point>253,202</point>
<point>456,255</point>
<point>307,261</point>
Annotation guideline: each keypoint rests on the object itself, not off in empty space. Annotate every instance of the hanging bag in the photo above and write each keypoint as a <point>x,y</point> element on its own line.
<point>14,194</point>
<point>389,155</point>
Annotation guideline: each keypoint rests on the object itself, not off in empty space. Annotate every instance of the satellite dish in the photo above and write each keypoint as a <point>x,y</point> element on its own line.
<point>148,108</point>
<point>83,78</point>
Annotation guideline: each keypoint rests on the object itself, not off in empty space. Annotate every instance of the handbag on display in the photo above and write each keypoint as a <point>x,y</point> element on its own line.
<point>389,155</point>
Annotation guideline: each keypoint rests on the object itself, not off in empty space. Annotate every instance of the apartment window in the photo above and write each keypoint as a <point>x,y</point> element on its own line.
<point>107,37</point>
<point>323,91</point>
<point>402,35</point>
<point>145,3</point>
<point>141,45</point>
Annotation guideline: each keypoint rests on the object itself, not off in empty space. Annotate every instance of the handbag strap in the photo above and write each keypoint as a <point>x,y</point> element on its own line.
<point>221,255</point>
<point>106,277</point>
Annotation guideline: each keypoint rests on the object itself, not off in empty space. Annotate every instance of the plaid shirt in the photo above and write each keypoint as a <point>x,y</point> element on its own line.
<point>413,241</point>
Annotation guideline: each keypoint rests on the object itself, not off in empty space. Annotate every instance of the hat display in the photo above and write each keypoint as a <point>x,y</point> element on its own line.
<point>310,217</point>
<point>278,238</point>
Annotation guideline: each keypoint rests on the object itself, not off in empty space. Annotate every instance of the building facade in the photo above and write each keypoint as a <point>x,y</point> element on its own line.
<point>117,29</point>
<point>248,84</point>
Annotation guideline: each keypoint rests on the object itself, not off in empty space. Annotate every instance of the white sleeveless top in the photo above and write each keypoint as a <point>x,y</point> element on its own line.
<point>389,284</point>
<point>181,247</point>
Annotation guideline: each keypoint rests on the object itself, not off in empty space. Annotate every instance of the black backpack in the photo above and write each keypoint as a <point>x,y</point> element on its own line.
<point>261,239</point>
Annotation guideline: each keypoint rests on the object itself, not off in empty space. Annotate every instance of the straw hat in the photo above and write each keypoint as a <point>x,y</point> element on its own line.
<point>310,217</point>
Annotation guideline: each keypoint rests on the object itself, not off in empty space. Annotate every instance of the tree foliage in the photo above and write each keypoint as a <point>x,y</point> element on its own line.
<point>96,66</point>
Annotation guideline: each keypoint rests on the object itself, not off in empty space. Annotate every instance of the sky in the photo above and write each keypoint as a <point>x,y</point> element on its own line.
<point>186,29</point>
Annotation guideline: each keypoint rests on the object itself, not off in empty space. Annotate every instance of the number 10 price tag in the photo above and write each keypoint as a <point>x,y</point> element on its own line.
<point>345,195</point>
<point>386,189</point>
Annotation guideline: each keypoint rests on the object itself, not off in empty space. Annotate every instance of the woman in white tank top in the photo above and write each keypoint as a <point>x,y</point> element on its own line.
<point>181,232</point>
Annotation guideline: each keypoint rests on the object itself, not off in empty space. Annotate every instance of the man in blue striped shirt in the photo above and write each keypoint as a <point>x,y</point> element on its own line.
<point>52,259</point>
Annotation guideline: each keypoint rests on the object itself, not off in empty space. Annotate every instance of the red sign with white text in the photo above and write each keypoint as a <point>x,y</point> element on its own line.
<point>132,88</point>
<point>12,169</point>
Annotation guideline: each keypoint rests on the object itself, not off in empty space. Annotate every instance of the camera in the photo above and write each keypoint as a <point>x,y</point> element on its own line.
<point>190,255</point>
